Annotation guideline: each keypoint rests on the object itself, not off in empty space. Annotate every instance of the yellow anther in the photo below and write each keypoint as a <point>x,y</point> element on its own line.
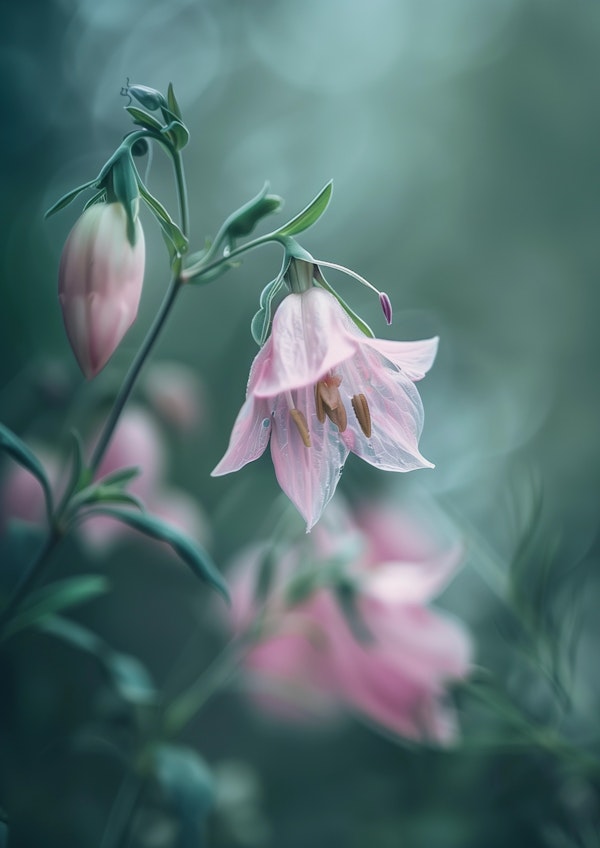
<point>338,416</point>
<point>300,422</point>
<point>363,414</point>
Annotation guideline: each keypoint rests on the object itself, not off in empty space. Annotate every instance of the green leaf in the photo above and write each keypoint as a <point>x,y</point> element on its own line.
<point>19,451</point>
<point>262,320</point>
<point>178,134</point>
<point>75,634</point>
<point>244,220</point>
<point>170,228</point>
<point>123,475</point>
<point>130,677</point>
<point>309,215</point>
<point>57,597</point>
<point>172,102</point>
<point>69,197</point>
<point>188,788</point>
<point>143,119</point>
<point>99,197</point>
<point>362,325</point>
<point>189,551</point>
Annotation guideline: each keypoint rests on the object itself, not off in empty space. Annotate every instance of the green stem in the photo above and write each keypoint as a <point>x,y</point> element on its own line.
<point>200,268</point>
<point>132,374</point>
<point>30,578</point>
<point>121,814</point>
<point>183,708</point>
<point>181,193</point>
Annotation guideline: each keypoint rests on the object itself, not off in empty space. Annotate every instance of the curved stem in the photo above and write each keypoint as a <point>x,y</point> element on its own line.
<point>132,374</point>
<point>196,271</point>
<point>29,579</point>
<point>181,193</point>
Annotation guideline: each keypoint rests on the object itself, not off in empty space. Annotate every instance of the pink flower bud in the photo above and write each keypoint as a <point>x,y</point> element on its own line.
<point>100,283</point>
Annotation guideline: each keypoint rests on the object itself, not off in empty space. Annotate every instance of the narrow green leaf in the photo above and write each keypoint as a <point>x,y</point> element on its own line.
<point>19,451</point>
<point>172,102</point>
<point>123,475</point>
<point>99,197</point>
<point>309,215</point>
<point>75,634</point>
<point>244,220</point>
<point>69,197</point>
<point>143,119</point>
<point>178,134</point>
<point>169,226</point>
<point>57,597</point>
<point>188,550</point>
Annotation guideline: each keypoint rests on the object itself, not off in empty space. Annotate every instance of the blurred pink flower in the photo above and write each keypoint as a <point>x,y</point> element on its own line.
<point>318,389</point>
<point>138,442</point>
<point>309,661</point>
<point>176,393</point>
<point>100,283</point>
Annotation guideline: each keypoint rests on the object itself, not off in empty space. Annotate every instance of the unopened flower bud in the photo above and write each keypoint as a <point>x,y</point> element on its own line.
<point>100,283</point>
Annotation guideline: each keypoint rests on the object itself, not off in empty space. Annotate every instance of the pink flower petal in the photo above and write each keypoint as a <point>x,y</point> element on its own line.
<point>309,338</point>
<point>396,416</point>
<point>413,358</point>
<point>308,475</point>
<point>249,437</point>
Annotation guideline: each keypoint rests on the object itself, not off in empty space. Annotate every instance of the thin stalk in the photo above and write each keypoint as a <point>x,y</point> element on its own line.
<point>200,268</point>
<point>119,820</point>
<point>134,370</point>
<point>181,194</point>
<point>30,578</point>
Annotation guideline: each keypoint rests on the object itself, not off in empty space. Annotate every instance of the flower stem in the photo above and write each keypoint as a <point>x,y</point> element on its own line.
<point>120,817</point>
<point>132,374</point>
<point>29,579</point>
<point>181,193</point>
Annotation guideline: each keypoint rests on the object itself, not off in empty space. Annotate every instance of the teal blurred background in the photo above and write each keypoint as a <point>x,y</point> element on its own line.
<point>462,138</point>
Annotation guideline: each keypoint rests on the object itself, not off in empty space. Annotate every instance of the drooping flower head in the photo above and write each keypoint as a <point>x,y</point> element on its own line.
<point>320,388</point>
<point>100,283</point>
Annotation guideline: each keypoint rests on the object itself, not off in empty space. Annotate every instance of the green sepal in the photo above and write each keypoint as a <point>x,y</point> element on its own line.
<point>99,197</point>
<point>262,320</point>
<point>243,221</point>
<point>22,454</point>
<point>124,186</point>
<point>177,133</point>
<point>362,325</point>
<point>69,197</point>
<point>56,597</point>
<point>168,225</point>
<point>143,119</point>
<point>188,550</point>
<point>309,215</point>
<point>172,102</point>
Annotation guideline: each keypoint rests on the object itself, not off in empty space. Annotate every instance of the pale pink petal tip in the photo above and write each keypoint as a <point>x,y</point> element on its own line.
<point>386,305</point>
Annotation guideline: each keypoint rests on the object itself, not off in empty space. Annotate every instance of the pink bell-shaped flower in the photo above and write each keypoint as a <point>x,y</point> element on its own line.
<point>100,283</point>
<point>318,389</point>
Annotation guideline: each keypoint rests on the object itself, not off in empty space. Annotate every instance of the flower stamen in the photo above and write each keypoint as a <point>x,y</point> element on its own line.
<point>328,402</point>
<point>363,414</point>
<point>300,422</point>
